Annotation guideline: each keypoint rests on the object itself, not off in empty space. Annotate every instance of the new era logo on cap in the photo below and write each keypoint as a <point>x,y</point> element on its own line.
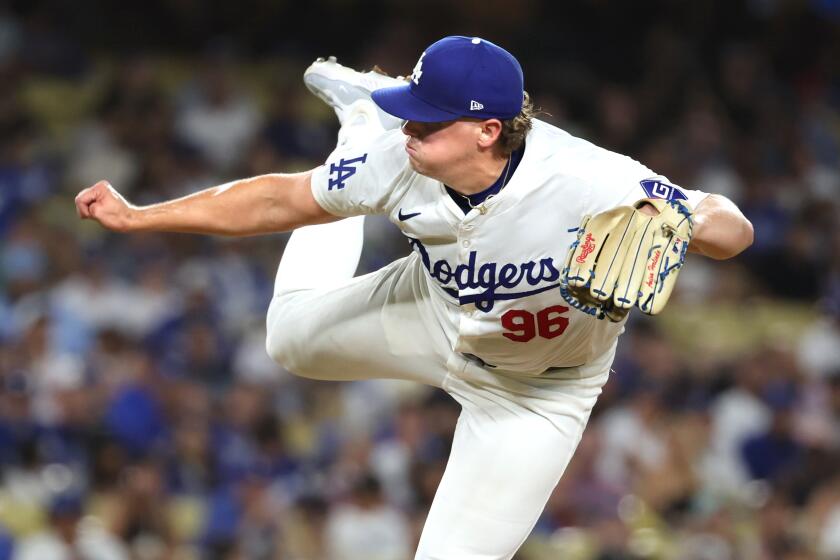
<point>475,105</point>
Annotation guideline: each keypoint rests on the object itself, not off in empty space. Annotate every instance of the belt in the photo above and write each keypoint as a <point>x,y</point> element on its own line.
<point>482,363</point>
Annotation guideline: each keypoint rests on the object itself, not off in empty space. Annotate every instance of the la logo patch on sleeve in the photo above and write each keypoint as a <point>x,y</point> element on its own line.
<point>656,188</point>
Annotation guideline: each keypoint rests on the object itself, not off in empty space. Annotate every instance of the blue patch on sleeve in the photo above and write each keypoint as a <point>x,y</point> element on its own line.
<point>659,189</point>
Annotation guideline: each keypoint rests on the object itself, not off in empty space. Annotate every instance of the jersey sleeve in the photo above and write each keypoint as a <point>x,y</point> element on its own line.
<point>621,181</point>
<point>657,186</point>
<point>366,179</point>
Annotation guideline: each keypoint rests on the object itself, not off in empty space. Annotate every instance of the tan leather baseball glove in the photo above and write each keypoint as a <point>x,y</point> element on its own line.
<point>624,258</point>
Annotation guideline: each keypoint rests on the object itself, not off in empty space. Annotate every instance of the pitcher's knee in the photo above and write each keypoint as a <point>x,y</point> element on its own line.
<point>286,348</point>
<point>278,348</point>
<point>286,342</point>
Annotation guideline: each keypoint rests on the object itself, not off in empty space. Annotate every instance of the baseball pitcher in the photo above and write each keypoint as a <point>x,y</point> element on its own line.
<point>529,247</point>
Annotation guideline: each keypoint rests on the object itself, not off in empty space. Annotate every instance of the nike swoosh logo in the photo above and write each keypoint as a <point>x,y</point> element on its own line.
<point>404,217</point>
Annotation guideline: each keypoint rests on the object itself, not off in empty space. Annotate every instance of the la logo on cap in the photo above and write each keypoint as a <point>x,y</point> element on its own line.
<point>417,72</point>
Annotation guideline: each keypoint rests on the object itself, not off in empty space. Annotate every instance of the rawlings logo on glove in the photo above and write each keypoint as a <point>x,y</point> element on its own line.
<point>585,249</point>
<point>624,258</point>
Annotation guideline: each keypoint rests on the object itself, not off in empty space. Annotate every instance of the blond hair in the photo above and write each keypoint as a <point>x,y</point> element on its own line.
<point>516,129</point>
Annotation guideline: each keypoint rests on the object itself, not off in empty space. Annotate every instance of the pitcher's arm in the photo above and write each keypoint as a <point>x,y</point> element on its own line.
<point>720,229</point>
<point>257,205</point>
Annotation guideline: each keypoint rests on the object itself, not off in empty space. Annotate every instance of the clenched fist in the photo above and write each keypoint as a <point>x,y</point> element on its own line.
<point>103,203</point>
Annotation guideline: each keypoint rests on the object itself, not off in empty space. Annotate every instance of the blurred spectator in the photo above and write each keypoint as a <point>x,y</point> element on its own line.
<point>216,115</point>
<point>295,138</point>
<point>582,498</point>
<point>634,438</point>
<point>134,416</point>
<point>242,520</point>
<point>819,344</point>
<point>824,513</point>
<point>23,259</point>
<point>778,536</point>
<point>304,528</point>
<point>70,538</point>
<point>366,528</point>
<point>103,145</point>
<point>773,453</point>
<point>391,458</point>
<point>6,545</point>
<point>736,413</point>
<point>138,511</point>
<point>797,258</point>
<point>26,174</point>
<point>93,299</point>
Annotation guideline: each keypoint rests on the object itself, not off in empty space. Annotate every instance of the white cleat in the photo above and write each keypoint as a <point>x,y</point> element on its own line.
<point>340,87</point>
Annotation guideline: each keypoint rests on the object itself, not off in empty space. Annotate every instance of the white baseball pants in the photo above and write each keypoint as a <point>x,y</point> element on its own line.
<point>514,436</point>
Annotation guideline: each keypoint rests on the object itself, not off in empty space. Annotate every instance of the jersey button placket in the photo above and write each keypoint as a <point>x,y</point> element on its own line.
<point>468,310</point>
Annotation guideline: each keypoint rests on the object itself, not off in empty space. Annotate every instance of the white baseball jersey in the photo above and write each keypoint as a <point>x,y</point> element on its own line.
<point>496,270</point>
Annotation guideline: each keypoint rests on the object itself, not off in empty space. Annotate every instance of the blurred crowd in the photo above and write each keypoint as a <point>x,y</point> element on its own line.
<point>140,417</point>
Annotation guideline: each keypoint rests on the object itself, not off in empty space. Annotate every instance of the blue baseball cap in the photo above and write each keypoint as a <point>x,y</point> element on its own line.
<point>458,77</point>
